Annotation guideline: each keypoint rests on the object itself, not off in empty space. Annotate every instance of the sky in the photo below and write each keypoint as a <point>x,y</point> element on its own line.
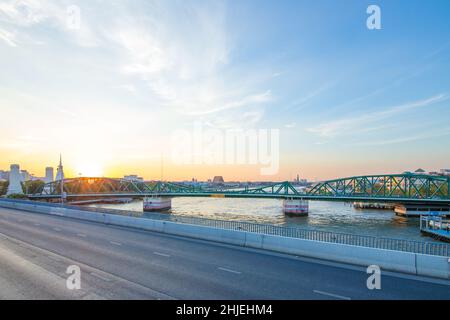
<point>122,87</point>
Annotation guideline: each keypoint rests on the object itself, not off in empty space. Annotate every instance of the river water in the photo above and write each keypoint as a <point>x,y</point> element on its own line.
<point>323,215</point>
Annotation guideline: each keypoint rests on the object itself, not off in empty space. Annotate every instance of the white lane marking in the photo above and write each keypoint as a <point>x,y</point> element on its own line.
<point>331,295</point>
<point>100,276</point>
<point>115,243</point>
<point>54,258</point>
<point>229,270</point>
<point>81,235</point>
<point>57,229</point>
<point>160,295</point>
<point>37,224</point>
<point>161,254</point>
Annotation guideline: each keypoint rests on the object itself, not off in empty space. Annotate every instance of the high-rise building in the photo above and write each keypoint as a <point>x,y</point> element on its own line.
<point>60,170</point>
<point>15,179</point>
<point>25,175</point>
<point>48,175</point>
<point>4,175</point>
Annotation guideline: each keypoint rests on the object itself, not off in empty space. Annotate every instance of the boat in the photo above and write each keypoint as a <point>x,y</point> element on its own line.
<point>152,204</point>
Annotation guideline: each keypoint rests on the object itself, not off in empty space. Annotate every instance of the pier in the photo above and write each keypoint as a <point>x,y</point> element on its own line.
<point>417,210</point>
<point>436,227</point>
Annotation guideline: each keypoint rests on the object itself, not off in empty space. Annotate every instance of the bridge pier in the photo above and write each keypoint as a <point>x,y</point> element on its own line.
<point>417,210</point>
<point>157,204</point>
<point>298,208</point>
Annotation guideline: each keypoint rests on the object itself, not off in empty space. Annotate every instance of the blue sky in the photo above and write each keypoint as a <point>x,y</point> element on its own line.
<point>347,100</point>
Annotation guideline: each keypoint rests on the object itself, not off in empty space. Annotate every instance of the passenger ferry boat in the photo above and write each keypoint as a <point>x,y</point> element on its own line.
<point>157,204</point>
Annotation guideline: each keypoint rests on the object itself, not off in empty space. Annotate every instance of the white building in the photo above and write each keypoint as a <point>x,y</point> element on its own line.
<point>133,177</point>
<point>15,179</point>
<point>48,175</point>
<point>445,172</point>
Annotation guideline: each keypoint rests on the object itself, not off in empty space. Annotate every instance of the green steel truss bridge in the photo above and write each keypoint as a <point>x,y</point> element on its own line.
<point>396,188</point>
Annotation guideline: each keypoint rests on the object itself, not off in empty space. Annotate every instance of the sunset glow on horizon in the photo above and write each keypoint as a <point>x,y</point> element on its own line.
<point>111,94</point>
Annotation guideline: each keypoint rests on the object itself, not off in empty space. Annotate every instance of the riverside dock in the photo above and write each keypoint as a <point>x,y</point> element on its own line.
<point>436,227</point>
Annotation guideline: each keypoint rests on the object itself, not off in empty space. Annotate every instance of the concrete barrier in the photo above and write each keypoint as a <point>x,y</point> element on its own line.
<point>433,266</point>
<point>254,240</point>
<point>363,256</point>
<point>205,233</point>
<point>406,262</point>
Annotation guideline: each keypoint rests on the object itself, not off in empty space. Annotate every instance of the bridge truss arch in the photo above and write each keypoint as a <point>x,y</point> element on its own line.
<point>389,186</point>
<point>94,185</point>
<point>384,188</point>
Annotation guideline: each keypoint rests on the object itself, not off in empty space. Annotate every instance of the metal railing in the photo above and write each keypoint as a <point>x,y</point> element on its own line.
<point>421,247</point>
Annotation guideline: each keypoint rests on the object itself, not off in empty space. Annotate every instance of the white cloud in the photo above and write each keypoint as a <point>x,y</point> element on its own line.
<point>183,56</point>
<point>416,137</point>
<point>290,125</point>
<point>8,38</point>
<point>127,87</point>
<point>350,124</point>
<point>145,54</point>
<point>26,14</point>
<point>302,101</point>
<point>173,56</point>
<point>254,99</point>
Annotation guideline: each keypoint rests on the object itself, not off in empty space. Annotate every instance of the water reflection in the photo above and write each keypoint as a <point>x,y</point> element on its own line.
<point>324,215</point>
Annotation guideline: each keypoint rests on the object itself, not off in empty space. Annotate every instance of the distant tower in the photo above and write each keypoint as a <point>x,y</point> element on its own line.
<point>60,171</point>
<point>49,174</point>
<point>15,178</point>
<point>25,176</point>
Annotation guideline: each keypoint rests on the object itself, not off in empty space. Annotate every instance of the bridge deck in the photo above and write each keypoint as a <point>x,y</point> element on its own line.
<point>250,196</point>
<point>398,188</point>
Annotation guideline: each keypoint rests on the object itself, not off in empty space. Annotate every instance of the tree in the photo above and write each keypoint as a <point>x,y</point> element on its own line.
<point>32,186</point>
<point>3,187</point>
<point>17,196</point>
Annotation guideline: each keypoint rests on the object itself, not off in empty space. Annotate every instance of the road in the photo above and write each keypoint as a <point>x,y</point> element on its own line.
<point>121,263</point>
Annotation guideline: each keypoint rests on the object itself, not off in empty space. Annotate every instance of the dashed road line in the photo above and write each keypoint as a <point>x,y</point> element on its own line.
<point>81,235</point>
<point>229,270</point>
<point>54,258</point>
<point>161,254</point>
<point>115,243</point>
<point>331,295</point>
<point>100,277</point>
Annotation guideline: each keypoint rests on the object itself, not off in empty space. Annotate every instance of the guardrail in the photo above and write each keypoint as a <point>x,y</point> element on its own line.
<point>421,247</point>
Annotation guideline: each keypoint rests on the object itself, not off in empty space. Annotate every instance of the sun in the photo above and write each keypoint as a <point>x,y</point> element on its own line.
<point>90,170</point>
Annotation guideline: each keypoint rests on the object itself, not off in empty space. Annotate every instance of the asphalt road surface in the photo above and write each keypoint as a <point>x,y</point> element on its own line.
<point>122,263</point>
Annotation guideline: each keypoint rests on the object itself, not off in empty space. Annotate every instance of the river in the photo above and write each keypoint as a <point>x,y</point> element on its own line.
<point>323,215</point>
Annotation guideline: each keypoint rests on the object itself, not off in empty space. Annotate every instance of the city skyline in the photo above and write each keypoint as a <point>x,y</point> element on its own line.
<point>27,175</point>
<point>346,100</point>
